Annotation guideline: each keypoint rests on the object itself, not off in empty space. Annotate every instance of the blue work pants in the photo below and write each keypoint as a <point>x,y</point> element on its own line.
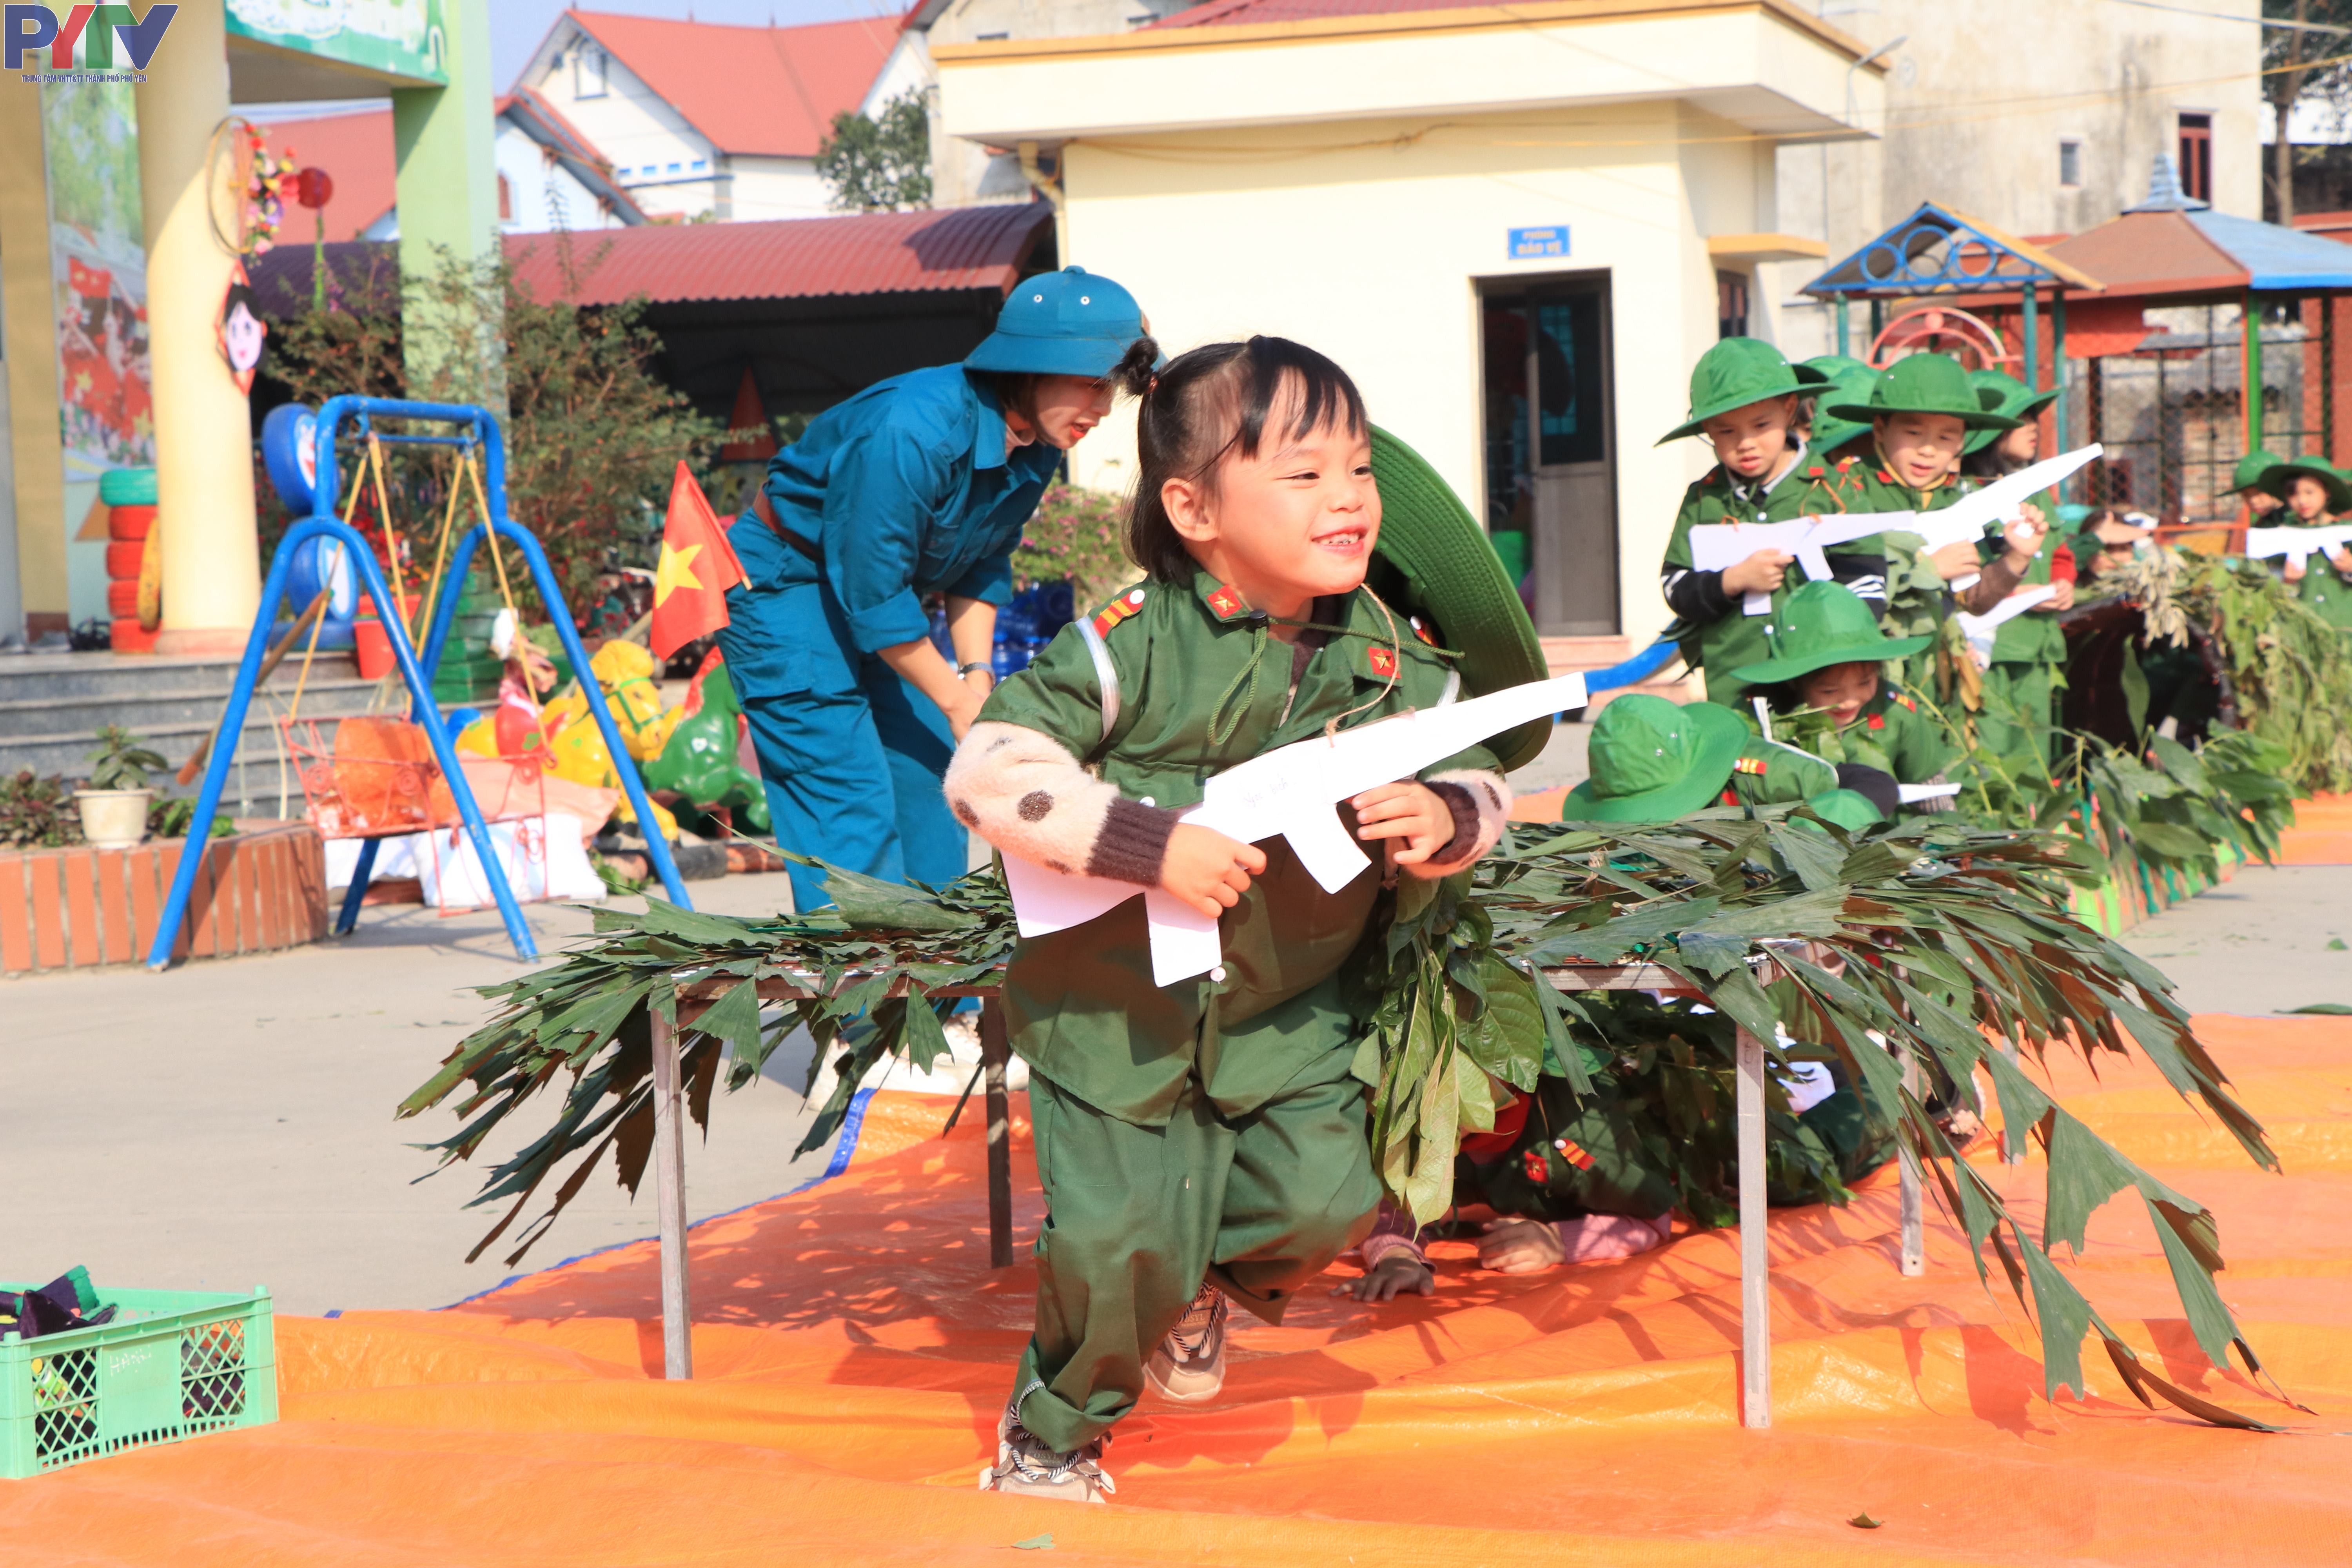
<point>852,756</point>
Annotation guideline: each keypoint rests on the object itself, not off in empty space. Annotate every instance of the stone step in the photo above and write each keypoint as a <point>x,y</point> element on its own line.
<point>32,677</point>
<point>36,720</point>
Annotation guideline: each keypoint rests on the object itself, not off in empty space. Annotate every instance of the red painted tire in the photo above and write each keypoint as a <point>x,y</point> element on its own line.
<point>122,558</point>
<point>122,600</point>
<point>129,523</point>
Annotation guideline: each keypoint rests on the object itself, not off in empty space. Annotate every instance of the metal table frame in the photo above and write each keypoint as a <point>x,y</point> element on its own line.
<point>696,997</point>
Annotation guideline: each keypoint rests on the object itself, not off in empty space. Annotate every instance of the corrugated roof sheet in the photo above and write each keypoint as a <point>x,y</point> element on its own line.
<point>872,253</point>
<point>766,91</point>
<point>2156,253</point>
<point>2276,257</point>
<point>877,253</point>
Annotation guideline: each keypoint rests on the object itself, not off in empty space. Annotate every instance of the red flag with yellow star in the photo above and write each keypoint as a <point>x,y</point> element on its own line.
<point>697,566</point>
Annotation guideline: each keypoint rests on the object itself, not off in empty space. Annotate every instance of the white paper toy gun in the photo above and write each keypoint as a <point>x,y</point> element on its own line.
<point>1980,630</point>
<point>1288,793</point>
<point>2297,544</point>
<point>1965,521</point>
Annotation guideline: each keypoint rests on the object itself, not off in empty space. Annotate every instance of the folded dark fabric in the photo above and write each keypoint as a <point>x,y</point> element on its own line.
<point>56,1308</point>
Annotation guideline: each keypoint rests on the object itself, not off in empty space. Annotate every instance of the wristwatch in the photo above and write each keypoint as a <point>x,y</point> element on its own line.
<point>987,670</point>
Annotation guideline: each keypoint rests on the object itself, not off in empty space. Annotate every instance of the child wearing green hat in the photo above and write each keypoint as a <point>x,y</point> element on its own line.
<point>2316,494</point>
<point>1829,439</point>
<point>1202,1143</point>
<point>1744,399</point>
<point>2247,482</point>
<point>2029,650</point>
<point>1560,1168</point>
<point>1831,656</point>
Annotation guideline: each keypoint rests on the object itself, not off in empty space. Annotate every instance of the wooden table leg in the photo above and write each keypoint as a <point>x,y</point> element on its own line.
<point>670,1200</point>
<point>1915,1240</point>
<point>1755,1278</point>
<point>993,1055</point>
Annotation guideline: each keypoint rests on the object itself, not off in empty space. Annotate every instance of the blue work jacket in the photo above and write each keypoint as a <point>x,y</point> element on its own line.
<point>906,489</point>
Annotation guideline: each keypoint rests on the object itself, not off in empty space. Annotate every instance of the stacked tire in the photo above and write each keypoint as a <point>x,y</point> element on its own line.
<point>133,558</point>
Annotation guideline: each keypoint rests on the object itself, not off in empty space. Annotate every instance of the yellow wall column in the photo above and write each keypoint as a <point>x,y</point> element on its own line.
<point>32,356</point>
<point>204,442</point>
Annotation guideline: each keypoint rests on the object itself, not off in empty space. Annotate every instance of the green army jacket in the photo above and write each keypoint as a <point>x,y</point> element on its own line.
<point>2327,590</point>
<point>1201,684</point>
<point>1771,773</point>
<point>1733,638</point>
<point>1894,736</point>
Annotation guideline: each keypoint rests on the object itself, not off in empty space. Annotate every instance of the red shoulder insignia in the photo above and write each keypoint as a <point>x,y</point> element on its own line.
<point>1884,477</point>
<point>1573,1153</point>
<point>1118,610</point>
<point>1814,472</point>
<point>1878,721</point>
<point>1749,765</point>
<point>1226,603</point>
<point>1844,464</point>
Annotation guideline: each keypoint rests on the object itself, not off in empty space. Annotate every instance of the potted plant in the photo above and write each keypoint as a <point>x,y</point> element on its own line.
<point>114,805</point>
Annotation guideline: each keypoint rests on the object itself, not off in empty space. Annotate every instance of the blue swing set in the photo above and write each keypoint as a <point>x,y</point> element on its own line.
<point>476,429</point>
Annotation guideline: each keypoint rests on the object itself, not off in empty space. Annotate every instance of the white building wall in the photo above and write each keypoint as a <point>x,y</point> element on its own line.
<point>668,166</point>
<point>1979,98</point>
<point>542,194</point>
<point>776,188</point>
<point>1319,246</point>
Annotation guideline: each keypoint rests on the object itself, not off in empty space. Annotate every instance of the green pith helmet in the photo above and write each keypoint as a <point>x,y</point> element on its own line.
<point>1849,809</point>
<point>1654,760</point>
<point>1824,623</point>
<point>2249,471</point>
<point>1926,384</point>
<point>1837,367</point>
<point>2004,394</point>
<point>2280,477</point>
<point>1430,538</point>
<point>1736,372</point>
<point>1830,432</point>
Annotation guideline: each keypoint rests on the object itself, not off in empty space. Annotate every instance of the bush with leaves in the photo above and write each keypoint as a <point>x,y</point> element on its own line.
<point>593,436</point>
<point>879,165</point>
<point>1080,534</point>
<point>37,813</point>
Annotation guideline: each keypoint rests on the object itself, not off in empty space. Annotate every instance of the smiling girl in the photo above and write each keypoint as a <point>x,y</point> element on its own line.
<point>1203,1142</point>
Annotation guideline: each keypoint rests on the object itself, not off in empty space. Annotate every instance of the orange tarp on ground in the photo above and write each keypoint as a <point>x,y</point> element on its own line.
<point>853,1351</point>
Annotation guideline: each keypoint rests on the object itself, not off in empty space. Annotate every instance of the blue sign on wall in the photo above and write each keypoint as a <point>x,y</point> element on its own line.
<point>1539,243</point>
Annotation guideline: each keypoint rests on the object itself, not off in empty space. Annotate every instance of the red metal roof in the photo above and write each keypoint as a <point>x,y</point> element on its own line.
<point>767,91</point>
<point>872,253</point>
<point>355,150</point>
<point>1241,13</point>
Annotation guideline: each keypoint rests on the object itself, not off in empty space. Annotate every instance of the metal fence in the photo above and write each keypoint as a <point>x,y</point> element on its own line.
<point>2171,412</point>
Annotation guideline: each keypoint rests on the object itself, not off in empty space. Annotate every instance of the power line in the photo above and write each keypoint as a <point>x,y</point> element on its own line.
<point>2234,17</point>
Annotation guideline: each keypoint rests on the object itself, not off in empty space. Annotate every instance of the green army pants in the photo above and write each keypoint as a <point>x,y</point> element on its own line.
<point>1138,1216</point>
<point>2012,689</point>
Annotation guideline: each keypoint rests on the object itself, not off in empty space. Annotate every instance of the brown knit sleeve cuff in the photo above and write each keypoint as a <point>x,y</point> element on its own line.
<point>1996,583</point>
<point>1132,844</point>
<point>1464,809</point>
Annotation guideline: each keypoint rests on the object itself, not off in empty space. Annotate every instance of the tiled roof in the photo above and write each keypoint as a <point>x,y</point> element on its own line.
<point>765,92</point>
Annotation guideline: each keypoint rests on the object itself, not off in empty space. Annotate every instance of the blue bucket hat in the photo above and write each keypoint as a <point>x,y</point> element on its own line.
<point>1071,323</point>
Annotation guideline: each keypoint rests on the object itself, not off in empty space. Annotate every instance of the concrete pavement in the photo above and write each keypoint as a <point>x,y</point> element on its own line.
<point>2259,944</point>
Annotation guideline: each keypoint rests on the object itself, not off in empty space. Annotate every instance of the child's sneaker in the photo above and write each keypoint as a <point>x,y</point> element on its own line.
<point>1026,1467</point>
<point>1188,1367</point>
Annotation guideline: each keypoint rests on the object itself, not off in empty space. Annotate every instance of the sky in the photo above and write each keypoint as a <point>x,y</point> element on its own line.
<point>518,25</point>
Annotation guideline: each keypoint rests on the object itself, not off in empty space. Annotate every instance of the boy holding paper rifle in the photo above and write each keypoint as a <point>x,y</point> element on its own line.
<point>1744,399</point>
<point>1203,1142</point>
<point>2317,495</point>
<point>1830,657</point>
<point>2021,685</point>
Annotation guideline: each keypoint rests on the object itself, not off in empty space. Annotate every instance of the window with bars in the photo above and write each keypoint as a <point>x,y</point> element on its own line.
<point>588,72</point>
<point>2197,157</point>
<point>2070,161</point>
<point>1731,304</point>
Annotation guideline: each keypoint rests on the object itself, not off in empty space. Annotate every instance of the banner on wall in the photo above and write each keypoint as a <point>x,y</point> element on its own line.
<point>396,38</point>
<point>97,273</point>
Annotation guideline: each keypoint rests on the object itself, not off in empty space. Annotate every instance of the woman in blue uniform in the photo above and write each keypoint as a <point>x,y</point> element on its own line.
<point>919,484</point>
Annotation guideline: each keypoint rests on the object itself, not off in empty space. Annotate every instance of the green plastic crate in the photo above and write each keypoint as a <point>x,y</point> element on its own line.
<point>172,1365</point>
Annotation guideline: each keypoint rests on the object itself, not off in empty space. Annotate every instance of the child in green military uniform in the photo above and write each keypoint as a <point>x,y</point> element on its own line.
<point>2247,482</point>
<point>1830,656</point>
<point>2029,650</point>
<point>1743,400</point>
<point>1920,412</point>
<point>1561,1169</point>
<point>2316,495</point>
<point>1204,1142</point>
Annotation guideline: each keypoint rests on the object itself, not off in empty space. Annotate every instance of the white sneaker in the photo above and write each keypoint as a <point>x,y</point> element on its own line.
<point>1188,1367</point>
<point>1026,1467</point>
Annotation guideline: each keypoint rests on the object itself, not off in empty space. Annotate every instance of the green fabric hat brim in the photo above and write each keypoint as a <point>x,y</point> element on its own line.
<point>1800,381</point>
<point>1722,735</point>
<point>1849,809</point>
<point>2282,477</point>
<point>2024,409</point>
<point>1974,419</point>
<point>1429,539</point>
<point>1830,434</point>
<point>2252,468</point>
<point>1772,671</point>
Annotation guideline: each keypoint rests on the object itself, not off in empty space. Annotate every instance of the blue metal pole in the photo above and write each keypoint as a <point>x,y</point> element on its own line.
<point>551,594</point>
<point>232,728</point>
<point>362,873</point>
